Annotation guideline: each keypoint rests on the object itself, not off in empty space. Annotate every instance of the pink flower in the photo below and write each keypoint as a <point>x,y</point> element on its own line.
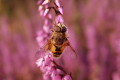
<point>59,19</point>
<point>45,2</point>
<point>47,76</point>
<point>67,77</point>
<point>57,3</point>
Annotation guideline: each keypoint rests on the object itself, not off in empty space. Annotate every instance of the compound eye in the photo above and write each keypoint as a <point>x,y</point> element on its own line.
<point>64,29</point>
<point>57,29</point>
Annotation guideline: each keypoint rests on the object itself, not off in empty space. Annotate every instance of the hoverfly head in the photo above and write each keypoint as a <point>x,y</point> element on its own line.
<point>63,29</point>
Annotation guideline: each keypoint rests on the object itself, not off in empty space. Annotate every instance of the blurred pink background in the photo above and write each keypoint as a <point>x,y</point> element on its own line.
<point>93,29</point>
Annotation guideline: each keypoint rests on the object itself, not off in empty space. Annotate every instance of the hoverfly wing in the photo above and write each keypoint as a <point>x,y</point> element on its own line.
<point>73,50</point>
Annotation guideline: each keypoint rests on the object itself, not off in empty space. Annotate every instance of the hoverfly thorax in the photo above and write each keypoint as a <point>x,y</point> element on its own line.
<point>60,28</point>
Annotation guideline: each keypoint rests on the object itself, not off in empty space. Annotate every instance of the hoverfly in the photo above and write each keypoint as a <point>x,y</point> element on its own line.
<point>58,40</point>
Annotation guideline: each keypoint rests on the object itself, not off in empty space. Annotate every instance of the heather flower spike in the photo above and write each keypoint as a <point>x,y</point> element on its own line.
<point>51,70</point>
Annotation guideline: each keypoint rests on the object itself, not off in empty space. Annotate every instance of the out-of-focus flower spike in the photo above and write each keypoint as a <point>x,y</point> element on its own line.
<point>60,10</point>
<point>46,12</point>
<point>67,77</point>
<point>57,3</point>
<point>45,2</point>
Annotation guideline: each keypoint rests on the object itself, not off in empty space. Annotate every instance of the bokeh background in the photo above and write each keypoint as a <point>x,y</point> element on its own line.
<point>94,32</point>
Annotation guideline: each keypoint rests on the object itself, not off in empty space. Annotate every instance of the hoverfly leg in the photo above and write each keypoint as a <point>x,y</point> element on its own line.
<point>68,44</point>
<point>73,50</point>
